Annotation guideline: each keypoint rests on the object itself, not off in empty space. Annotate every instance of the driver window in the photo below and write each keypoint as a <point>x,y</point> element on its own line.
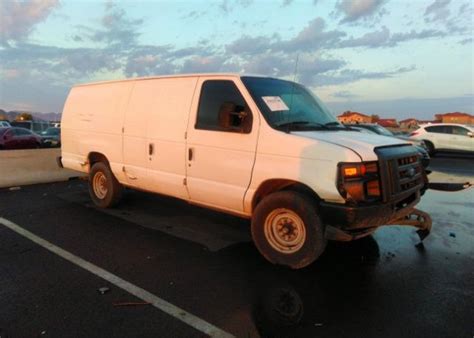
<point>222,108</point>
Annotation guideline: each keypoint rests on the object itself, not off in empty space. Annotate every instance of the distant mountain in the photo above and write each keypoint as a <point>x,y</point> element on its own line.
<point>47,116</point>
<point>11,115</point>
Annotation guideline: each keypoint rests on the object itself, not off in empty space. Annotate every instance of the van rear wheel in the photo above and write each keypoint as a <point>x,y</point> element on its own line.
<point>104,189</point>
<point>287,230</point>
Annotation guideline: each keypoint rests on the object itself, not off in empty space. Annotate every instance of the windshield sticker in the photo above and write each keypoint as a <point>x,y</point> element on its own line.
<point>275,103</point>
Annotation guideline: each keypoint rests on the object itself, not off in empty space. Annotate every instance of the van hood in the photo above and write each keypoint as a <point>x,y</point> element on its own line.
<point>362,144</point>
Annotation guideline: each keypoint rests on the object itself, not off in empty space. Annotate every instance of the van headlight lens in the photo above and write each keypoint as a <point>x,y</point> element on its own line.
<point>359,182</point>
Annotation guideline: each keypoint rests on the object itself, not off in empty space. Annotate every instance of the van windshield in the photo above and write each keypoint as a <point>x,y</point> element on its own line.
<point>287,105</point>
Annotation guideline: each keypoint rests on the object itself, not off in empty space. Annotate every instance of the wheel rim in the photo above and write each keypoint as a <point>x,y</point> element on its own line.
<point>285,231</point>
<point>99,184</point>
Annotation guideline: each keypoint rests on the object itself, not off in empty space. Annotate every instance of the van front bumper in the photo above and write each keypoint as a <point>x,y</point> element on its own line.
<point>360,221</point>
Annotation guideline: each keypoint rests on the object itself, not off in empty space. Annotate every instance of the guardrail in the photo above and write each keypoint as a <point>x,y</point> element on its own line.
<point>32,166</point>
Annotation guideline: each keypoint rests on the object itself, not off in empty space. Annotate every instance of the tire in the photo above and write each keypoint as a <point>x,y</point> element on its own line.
<point>287,230</point>
<point>104,189</point>
<point>430,147</point>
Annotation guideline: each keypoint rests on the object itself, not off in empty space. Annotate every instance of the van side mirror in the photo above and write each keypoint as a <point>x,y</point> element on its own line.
<point>470,134</point>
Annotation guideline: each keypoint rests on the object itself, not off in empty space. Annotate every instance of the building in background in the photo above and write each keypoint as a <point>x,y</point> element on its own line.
<point>409,123</point>
<point>456,117</point>
<point>387,123</point>
<point>353,117</point>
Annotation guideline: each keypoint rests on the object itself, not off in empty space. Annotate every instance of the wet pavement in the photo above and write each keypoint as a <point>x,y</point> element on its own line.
<point>384,285</point>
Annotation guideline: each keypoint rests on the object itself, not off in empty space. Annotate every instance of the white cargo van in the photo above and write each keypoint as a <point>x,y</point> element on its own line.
<point>261,148</point>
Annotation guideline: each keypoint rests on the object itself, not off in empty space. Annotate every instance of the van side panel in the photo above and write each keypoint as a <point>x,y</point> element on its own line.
<point>167,123</point>
<point>92,122</point>
<point>135,145</point>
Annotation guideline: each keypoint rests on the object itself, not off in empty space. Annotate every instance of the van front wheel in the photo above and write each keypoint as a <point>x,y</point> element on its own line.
<point>287,230</point>
<point>104,189</point>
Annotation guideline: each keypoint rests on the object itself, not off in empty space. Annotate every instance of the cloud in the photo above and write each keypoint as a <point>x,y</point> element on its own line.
<point>371,39</point>
<point>18,19</point>
<point>354,10</point>
<point>117,29</point>
<point>227,6</point>
<point>283,65</point>
<point>117,50</point>
<point>207,64</point>
<point>344,94</point>
<point>383,38</point>
<point>354,75</point>
<point>437,11</point>
<point>312,37</point>
<point>247,45</point>
<point>414,35</point>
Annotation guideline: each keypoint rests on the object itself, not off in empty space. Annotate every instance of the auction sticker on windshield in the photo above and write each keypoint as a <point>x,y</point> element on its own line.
<point>275,103</point>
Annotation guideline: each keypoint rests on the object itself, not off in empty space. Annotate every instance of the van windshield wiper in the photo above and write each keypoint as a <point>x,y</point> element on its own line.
<point>301,124</point>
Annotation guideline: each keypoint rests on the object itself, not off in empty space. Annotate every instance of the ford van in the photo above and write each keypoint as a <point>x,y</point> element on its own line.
<point>261,148</point>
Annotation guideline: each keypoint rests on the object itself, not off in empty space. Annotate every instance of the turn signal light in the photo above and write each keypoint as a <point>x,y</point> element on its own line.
<point>354,170</point>
<point>358,182</point>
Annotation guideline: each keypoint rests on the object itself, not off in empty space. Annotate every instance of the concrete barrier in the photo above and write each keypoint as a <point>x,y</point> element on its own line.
<point>32,166</point>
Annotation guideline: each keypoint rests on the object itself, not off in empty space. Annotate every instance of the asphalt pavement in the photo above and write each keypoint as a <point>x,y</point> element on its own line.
<point>203,264</point>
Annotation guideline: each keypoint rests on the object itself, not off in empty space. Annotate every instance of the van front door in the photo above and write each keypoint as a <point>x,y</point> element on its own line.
<point>221,144</point>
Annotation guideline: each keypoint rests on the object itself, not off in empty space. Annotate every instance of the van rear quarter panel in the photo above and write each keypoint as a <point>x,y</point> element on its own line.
<point>92,122</point>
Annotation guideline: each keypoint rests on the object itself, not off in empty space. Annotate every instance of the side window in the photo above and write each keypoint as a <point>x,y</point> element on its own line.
<point>22,132</point>
<point>460,131</point>
<point>439,129</point>
<point>222,108</point>
<point>432,129</point>
<point>37,126</point>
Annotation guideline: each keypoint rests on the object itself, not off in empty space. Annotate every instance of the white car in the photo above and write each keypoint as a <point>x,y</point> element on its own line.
<point>4,124</point>
<point>445,137</point>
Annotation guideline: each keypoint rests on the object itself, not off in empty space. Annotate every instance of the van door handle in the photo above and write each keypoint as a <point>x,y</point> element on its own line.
<point>150,149</point>
<point>190,154</point>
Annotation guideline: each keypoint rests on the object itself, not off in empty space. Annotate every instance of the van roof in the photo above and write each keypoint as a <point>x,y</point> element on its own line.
<point>165,76</point>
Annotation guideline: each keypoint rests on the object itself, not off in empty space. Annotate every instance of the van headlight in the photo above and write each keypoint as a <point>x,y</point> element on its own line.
<point>359,182</point>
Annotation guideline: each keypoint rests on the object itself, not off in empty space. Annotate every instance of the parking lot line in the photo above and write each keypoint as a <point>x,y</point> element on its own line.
<point>174,311</point>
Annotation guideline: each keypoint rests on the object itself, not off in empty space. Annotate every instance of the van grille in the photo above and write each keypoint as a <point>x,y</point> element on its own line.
<point>403,172</point>
<point>408,174</point>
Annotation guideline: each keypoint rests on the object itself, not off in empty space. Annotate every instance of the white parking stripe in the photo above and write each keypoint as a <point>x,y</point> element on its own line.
<point>172,310</point>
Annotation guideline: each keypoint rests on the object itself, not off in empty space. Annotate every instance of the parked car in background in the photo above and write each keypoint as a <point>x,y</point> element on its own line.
<point>446,137</point>
<point>51,137</point>
<point>18,138</point>
<point>5,124</point>
<point>35,126</point>
<point>376,129</point>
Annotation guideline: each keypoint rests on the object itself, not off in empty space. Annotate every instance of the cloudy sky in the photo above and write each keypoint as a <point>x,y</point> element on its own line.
<point>398,58</point>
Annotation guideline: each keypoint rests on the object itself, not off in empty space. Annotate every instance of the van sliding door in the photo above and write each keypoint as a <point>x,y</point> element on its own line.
<point>166,128</point>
